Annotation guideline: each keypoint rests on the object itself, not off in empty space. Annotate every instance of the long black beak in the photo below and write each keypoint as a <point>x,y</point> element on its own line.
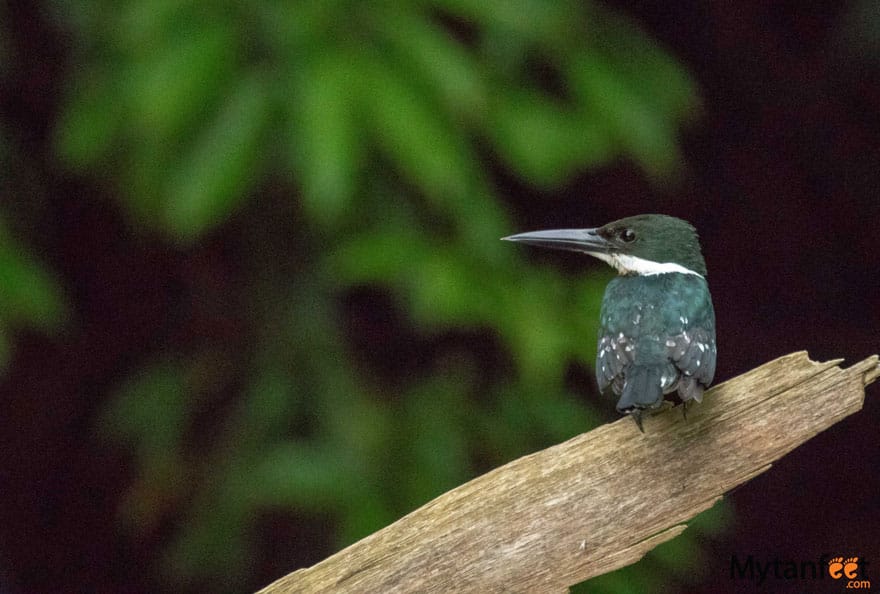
<point>578,240</point>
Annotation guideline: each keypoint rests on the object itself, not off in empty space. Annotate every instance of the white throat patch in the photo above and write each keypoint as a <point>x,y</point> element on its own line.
<point>625,264</point>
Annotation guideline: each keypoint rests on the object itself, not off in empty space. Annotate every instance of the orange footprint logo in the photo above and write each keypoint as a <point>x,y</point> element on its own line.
<point>839,567</point>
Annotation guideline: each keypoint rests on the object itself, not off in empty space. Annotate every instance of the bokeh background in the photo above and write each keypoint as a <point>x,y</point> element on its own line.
<point>253,306</point>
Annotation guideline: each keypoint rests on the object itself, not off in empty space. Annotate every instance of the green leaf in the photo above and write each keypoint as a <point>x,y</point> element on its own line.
<point>714,520</point>
<point>29,295</point>
<point>636,128</point>
<point>537,20</point>
<point>678,554</point>
<point>151,411</point>
<point>377,257</point>
<point>419,138</point>
<point>435,422</point>
<point>221,166</point>
<point>634,88</point>
<point>326,136</point>
<point>649,71</point>
<point>432,56</point>
<point>628,580</point>
<point>171,87</point>
<point>212,543</point>
<point>544,141</point>
<point>140,28</point>
<point>89,123</point>
<point>298,475</point>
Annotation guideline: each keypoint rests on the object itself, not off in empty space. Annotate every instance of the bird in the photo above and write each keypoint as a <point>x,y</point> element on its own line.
<point>657,321</point>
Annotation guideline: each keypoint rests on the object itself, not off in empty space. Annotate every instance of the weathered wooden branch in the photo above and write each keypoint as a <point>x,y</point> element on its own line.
<point>601,500</point>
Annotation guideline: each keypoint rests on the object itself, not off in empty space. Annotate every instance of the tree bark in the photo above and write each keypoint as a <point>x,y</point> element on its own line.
<point>601,500</point>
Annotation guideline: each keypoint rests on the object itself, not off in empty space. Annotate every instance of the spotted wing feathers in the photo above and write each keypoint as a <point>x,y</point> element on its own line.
<point>693,353</point>
<point>689,363</point>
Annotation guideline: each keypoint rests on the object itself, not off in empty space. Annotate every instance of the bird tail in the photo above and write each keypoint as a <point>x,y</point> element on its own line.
<point>643,388</point>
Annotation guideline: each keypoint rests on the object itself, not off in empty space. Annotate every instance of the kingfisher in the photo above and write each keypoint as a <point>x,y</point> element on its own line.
<point>657,322</point>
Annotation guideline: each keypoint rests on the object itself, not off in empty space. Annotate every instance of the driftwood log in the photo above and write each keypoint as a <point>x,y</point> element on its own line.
<point>601,500</point>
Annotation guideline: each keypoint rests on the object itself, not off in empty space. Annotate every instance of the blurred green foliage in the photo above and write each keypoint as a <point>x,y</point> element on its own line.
<point>378,118</point>
<point>30,295</point>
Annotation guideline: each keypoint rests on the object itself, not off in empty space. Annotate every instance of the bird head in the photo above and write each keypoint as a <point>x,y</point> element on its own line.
<point>640,245</point>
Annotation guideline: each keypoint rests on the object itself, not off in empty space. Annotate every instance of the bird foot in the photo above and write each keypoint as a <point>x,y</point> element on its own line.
<point>637,417</point>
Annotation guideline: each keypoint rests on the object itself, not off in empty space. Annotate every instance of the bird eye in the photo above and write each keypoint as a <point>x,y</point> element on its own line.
<point>627,235</point>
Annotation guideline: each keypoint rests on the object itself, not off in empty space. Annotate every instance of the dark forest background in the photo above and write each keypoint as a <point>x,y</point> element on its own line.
<point>253,306</point>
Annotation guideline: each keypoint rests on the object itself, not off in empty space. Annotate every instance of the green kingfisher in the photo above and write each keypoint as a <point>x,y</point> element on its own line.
<point>657,323</point>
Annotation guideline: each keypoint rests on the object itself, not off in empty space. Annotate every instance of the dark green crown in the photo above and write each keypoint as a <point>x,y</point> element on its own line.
<point>658,238</point>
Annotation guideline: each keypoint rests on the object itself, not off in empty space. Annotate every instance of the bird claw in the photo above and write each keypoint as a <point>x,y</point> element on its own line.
<point>637,417</point>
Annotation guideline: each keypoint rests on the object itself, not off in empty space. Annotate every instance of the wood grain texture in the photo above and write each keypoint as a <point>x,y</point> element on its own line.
<point>601,500</point>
